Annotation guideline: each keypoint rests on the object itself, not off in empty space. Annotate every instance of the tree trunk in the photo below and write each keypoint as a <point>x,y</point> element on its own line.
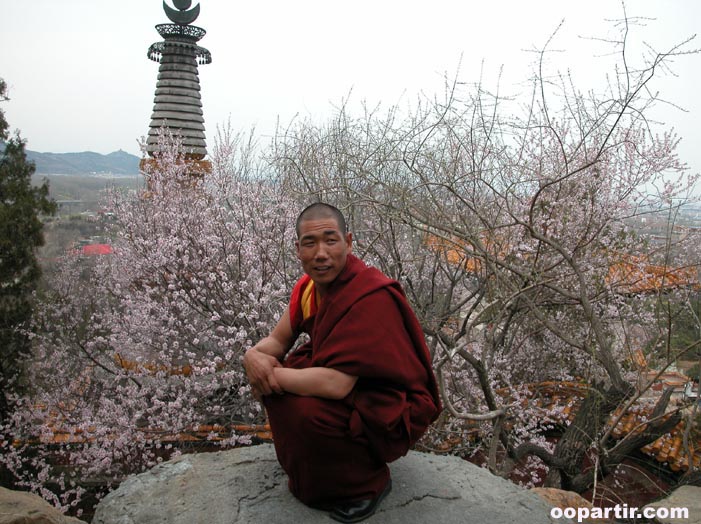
<point>630,443</point>
<point>593,414</point>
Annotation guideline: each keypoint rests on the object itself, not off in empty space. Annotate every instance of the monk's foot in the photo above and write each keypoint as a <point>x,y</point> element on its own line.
<point>360,509</point>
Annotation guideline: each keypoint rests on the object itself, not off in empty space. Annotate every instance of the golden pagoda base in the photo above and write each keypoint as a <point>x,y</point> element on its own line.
<point>197,167</point>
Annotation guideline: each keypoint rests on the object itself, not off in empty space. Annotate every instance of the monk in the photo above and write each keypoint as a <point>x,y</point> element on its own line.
<point>360,392</point>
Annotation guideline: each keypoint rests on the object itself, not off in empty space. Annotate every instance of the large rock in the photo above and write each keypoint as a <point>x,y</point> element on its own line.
<point>247,485</point>
<point>20,507</point>
<point>569,500</point>
<point>687,497</point>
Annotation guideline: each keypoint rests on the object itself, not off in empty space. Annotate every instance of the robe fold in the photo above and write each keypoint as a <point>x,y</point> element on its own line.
<point>337,450</point>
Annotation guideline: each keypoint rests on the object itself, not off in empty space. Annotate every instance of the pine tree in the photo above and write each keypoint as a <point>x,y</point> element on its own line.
<point>20,234</point>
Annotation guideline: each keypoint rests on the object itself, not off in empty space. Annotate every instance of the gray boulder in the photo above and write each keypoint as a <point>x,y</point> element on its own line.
<point>685,498</point>
<point>247,485</point>
<point>20,507</point>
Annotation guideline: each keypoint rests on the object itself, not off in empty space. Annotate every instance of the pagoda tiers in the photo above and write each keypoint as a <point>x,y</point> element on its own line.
<point>177,104</point>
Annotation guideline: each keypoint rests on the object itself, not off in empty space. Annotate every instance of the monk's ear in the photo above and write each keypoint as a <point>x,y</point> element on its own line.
<point>349,241</point>
<point>297,247</point>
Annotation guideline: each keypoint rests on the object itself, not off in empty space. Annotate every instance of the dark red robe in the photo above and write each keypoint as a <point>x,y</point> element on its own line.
<point>337,450</point>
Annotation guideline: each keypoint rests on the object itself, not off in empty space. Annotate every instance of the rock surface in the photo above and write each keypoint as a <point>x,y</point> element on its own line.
<point>688,497</point>
<point>20,507</point>
<point>247,485</point>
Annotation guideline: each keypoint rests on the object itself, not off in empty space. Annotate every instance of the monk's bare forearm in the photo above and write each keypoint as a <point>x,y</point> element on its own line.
<point>271,346</point>
<point>315,382</point>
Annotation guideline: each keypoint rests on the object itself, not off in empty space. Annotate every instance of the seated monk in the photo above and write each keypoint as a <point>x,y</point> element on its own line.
<point>360,393</point>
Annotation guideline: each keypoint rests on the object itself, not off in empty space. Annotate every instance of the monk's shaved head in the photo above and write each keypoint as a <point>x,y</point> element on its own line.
<point>320,210</point>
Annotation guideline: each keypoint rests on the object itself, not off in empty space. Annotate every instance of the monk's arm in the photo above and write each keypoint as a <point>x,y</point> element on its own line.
<point>315,382</point>
<point>264,357</point>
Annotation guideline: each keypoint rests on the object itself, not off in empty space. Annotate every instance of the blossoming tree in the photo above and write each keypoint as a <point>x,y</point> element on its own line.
<point>143,346</point>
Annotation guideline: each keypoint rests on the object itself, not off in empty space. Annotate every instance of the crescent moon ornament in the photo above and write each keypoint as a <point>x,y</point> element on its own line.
<point>182,4</point>
<point>182,17</point>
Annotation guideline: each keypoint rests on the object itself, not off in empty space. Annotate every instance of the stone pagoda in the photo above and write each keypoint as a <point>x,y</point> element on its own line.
<point>177,104</point>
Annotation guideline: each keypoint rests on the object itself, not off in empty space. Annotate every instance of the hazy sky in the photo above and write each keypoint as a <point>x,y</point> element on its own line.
<point>80,80</point>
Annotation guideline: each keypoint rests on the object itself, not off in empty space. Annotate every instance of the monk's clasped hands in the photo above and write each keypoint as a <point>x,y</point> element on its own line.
<point>259,368</point>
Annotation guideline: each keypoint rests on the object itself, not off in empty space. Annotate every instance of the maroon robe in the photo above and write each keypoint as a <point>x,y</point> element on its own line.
<point>337,450</point>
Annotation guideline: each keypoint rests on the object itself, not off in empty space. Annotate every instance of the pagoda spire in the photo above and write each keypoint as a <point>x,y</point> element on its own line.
<point>177,103</point>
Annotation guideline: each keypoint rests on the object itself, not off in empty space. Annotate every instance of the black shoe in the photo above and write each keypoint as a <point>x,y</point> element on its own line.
<point>359,509</point>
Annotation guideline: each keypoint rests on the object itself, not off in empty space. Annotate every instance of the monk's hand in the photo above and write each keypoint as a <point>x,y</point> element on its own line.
<point>259,369</point>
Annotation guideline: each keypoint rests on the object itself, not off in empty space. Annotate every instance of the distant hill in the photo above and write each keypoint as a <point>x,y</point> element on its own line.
<point>119,163</point>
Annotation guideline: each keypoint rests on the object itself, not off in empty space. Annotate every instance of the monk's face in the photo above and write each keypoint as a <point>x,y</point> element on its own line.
<point>322,248</point>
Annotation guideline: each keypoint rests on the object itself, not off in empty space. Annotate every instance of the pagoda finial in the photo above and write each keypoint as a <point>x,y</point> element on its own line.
<point>184,15</point>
